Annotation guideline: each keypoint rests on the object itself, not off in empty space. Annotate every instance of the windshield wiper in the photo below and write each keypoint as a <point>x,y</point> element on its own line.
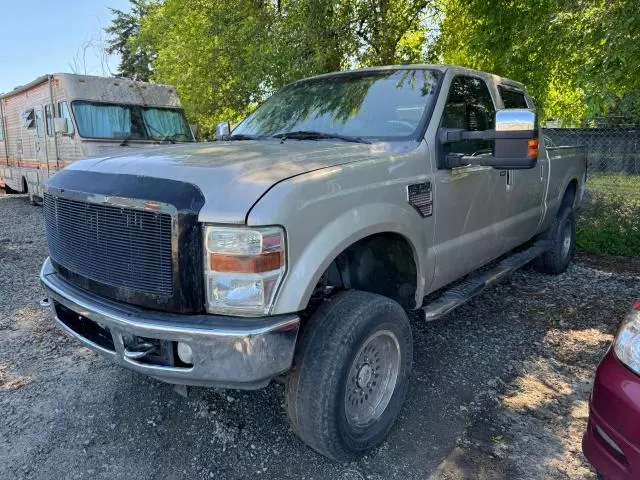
<point>312,135</point>
<point>242,136</point>
<point>125,141</point>
<point>169,138</point>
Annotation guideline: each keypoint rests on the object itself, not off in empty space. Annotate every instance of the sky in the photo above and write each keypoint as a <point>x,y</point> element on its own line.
<point>47,36</point>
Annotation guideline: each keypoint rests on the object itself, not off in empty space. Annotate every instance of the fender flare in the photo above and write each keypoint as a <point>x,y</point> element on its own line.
<point>336,236</point>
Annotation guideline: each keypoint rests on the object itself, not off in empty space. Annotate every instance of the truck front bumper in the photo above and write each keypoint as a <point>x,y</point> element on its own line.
<point>230,352</point>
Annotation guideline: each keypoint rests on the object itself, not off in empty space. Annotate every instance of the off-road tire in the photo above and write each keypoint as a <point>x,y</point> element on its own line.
<point>556,260</point>
<point>316,388</point>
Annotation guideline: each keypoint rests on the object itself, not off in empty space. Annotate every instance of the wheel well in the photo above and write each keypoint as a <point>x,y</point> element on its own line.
<point>382,263</point>
<point>25,185</point>
<point>569,198</point>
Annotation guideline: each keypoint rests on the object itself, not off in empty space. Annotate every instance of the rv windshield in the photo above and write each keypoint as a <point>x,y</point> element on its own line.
<point>134,122</point>
<point>386,104</point>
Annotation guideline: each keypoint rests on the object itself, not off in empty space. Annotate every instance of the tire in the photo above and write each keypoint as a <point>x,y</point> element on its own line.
<point>354,342</point>
<point>562,235</point>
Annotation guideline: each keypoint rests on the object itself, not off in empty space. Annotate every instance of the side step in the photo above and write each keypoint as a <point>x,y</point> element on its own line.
<point>465,290</point>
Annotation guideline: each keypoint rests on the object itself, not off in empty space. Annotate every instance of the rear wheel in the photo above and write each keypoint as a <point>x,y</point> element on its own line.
<point>562,235</point>
<point>350,374</point>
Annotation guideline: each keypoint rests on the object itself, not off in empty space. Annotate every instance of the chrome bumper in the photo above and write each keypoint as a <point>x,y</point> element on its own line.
<point>228,352</point>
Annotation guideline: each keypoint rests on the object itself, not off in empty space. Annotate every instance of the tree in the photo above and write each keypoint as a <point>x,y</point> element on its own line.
<point>135,61</point>
<point>217,54</point>
<point>577,57</point>
<point>226,57</point>
<point>393,31</point>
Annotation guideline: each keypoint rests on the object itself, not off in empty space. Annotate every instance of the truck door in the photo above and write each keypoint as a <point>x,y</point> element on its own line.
<point>469,201</point>
<point>525,188</point>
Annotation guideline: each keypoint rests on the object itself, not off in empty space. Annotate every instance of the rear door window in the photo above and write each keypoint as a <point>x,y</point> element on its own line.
<point>512,98</point>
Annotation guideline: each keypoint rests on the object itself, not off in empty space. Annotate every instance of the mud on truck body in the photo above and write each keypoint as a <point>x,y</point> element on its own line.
<point>293,247</point>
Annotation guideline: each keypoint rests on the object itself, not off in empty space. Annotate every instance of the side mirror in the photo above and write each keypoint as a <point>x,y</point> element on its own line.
<point>223,129</point>
<point>515,142</point>
<point>60,125</point>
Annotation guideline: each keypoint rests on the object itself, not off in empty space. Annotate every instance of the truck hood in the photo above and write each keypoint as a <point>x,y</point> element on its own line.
<point>232,175</point>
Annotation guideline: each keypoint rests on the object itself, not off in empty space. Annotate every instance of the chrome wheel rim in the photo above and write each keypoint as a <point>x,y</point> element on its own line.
<point>372,379</point>
<point>566,240</point>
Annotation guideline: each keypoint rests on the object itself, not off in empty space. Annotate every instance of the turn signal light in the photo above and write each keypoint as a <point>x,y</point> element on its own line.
<point>246,263</point>
<point>532,148</point>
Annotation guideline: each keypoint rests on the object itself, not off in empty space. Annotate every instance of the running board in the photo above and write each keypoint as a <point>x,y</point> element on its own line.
<point>465,290</point>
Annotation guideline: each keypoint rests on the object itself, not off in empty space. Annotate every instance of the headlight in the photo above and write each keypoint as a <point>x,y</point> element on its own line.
<point>627,343</point>
<point>243,269</point>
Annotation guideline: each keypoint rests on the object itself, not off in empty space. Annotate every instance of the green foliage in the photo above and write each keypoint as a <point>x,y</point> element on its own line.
<point>578,58</point>
<point>219,55</point>
<point>226,57</point>
<point>123,32</point>
<point>610,220</point>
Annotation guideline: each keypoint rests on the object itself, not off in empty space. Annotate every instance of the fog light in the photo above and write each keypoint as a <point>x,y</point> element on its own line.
<point>184,353</point>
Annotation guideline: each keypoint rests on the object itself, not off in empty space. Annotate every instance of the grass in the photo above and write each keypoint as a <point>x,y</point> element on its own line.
<point>609,221</point>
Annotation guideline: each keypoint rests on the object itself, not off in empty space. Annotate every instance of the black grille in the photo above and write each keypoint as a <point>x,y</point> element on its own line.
<point>117,246</point>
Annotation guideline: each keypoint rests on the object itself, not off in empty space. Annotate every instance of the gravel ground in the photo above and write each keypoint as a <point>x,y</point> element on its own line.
<point>499,389</point>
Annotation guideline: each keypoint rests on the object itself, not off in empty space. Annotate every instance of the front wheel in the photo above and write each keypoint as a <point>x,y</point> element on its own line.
<point>350,374</point>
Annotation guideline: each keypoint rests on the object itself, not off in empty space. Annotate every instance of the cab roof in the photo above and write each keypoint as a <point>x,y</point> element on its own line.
<point>457,69</point>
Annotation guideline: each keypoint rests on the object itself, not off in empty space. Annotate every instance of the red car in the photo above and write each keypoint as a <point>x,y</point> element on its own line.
<point>612,440</point>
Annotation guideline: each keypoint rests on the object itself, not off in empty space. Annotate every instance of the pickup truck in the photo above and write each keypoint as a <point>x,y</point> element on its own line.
<point>292,248</point>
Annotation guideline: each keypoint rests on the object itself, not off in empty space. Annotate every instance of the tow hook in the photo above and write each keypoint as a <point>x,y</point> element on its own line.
<point>139,351</point>
<point>45,303</point>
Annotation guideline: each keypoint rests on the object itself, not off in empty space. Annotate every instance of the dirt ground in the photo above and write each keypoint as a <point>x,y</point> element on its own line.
<point>499,389</point>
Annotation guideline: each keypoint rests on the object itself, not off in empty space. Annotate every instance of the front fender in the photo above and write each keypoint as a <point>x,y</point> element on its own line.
<point>341,232</point>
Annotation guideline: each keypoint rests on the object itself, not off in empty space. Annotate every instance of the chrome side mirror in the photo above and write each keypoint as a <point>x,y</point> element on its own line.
<point>223,129</point>
<point>515,142</point>
<point>515,119</point>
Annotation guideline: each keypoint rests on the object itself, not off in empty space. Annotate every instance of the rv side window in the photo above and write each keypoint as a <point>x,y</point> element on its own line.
<point>48,120</point>
<point>39,123</point>
<point>63,108</point>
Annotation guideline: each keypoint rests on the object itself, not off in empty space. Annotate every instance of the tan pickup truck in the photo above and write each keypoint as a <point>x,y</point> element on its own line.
<point>293,247</point>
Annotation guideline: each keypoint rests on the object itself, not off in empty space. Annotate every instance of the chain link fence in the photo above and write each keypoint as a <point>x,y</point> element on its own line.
<point>613,150</point>
<point>609,220</point>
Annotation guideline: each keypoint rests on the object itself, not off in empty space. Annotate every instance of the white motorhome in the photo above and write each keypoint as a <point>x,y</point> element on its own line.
<point>56,119</point>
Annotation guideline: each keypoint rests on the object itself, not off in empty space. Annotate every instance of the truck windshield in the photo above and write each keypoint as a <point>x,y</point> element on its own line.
<point>135,122</point>
<point>389,104</point>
